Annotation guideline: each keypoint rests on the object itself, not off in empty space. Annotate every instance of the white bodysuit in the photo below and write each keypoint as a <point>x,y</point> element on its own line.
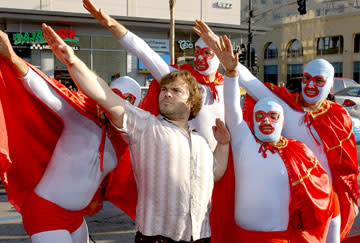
<point>262,192</point>
<point>294,128</point>
<point>73,174</point>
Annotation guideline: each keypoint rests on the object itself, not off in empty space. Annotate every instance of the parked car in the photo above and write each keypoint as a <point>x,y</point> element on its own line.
<point>342,83</point>
<point>350,99</point>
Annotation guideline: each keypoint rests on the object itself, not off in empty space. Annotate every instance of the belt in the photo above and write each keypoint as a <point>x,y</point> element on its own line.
<point>140,238</point>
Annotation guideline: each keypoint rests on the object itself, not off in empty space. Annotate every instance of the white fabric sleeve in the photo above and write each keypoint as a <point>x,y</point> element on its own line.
<point>139,48</point>
<point>135,122</point>
<point>256,89</point>
<point>36,85</point>
<point>233,112</point>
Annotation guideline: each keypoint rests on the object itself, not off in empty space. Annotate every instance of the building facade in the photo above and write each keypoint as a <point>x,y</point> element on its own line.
<point>284,50</point>
<point>96,46</point>
<point>327,30</point>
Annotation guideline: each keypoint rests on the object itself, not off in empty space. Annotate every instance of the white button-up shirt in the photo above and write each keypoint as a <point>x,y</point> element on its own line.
<point>174,174</point>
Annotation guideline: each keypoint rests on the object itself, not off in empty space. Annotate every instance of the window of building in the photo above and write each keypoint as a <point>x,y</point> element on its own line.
<point>338,66</point>
<point>276,16</point>
<point>271,74</point>
<point>318,12</point>
<point>357,43</point>
<point>294,49</point>
<point>356,75</point>
<point>103,55</point>
<point>277,2</point>
<point>330,45</point>
<point>294,70</point>
<point>270,51</point>
<point>263,1</point>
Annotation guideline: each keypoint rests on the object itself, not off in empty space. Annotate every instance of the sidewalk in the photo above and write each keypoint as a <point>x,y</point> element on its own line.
<point>110,225</point>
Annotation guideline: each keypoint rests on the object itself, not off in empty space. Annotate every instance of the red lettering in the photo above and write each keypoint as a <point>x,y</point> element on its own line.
<point>66,33</point>
<point>62,33</point>
<point>72,33</point>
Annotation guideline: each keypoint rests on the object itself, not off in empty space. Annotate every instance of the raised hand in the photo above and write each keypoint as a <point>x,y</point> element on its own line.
<point>208,36</point>
<point>61,50</point>
<point>6,49</point>
<point>226,54</point>
<point>97,13</point>
<point>221,133</point>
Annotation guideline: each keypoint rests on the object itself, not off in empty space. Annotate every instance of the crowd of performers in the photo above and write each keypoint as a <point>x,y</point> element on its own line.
<point>188,163</point>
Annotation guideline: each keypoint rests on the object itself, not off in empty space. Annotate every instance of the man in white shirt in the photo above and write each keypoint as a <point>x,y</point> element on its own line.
<point>173,166</point>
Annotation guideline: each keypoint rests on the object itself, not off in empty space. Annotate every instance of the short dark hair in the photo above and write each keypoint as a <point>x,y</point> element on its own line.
<point>195,95</point>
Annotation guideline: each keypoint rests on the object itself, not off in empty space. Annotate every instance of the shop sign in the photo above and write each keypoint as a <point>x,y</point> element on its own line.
<point>36,37</point>
<point>158,45</point>
<point>219,4</point>
<point>185,44</point>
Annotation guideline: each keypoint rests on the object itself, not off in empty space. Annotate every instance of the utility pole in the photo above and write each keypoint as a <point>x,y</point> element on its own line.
<point>172,32</point>
<point>250,37</point>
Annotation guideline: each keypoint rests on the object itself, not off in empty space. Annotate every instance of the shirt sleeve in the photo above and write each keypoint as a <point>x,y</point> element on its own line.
<point>36,85</point>
<point>139,48</point>
<point>135,122</point>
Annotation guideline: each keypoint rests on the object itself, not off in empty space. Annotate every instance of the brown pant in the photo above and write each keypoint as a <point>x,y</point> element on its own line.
<point>140,238</point>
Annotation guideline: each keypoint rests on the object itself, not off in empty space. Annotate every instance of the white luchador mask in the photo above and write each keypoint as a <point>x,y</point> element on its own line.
<point>317,81</point>
<point>206,62</point>
<point>268,120</point>
<point>129,89</point>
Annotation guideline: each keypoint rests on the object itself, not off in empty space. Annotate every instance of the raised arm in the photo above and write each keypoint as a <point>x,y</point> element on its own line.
<point>8,53</point>
<point>85,79</point>
<point>32,81</point>
<point>132,43</point>
<point>246,79</point>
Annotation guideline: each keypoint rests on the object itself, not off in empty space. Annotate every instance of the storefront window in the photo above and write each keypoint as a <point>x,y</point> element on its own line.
<point>100,42</point>
<point>101,54</point>
<point>109,65</point>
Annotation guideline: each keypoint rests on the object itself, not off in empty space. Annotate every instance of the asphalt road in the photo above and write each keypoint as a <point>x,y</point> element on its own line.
<point>110,225</point>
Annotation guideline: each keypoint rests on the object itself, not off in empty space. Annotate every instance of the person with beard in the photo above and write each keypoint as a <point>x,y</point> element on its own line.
<point>206,64</point>
<point>174,167</point>
<point>58,179</point>
<point>324,126</point>
<point>282,194</point>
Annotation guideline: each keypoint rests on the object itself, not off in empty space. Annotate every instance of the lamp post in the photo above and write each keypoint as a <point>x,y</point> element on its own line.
<point>250,36</point>
<point>172,32</point>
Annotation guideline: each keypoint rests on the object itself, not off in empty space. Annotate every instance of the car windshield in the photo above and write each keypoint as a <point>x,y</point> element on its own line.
<point>342,83</point>
<point>355,92</point>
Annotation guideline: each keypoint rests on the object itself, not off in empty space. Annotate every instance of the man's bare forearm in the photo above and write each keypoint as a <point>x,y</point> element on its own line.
<point>97,89</point>
<point>19,66</point>
<point>221,155</point>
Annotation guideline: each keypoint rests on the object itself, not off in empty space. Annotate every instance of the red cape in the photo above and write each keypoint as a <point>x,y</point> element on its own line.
<point>309,209</point>
<point>25,120</point>
<point>334,126</point>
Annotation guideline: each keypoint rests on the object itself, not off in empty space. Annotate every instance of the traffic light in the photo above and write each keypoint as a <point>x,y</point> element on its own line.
<point>242,58</point>
<point>301,6</point>
<point>254,60</point>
